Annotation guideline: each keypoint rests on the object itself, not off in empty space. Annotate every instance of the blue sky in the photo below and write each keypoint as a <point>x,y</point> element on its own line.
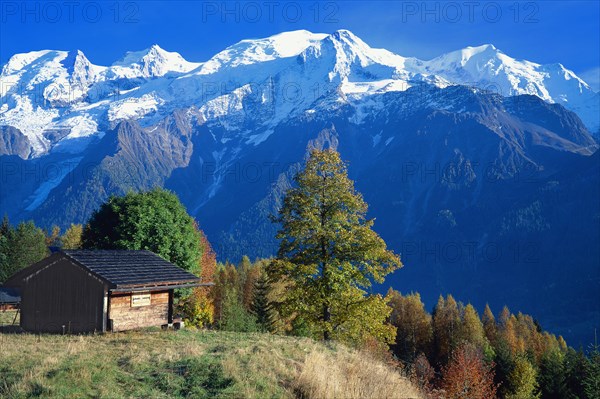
<point>541,31</point>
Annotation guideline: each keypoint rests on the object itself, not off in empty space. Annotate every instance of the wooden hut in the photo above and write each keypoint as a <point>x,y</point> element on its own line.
<point>98,291</point>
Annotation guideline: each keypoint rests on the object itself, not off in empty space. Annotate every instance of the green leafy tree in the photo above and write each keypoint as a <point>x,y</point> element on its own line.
<point>5,229</point>
<point>505,364</point>
<point>362,320</point>
<point>523,380</point>
<point>329,252</point>
<point>21,247</point>
<point>3,258</point>
<point>5,226</point>
<point>154,220</point>
<point>227,279</point>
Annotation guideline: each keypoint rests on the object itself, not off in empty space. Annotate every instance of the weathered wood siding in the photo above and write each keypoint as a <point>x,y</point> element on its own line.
<point>126,317</point>
<point>62,294</point>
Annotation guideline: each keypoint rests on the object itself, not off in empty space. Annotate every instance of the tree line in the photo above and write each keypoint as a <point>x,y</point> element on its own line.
<point>446,352</point>
<point>25,244</point>
<point>453,349</point>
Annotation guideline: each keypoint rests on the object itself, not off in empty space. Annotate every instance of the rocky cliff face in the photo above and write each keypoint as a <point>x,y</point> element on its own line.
<point>13,142</point>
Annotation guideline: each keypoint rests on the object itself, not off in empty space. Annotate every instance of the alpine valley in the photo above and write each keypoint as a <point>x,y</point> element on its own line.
<point>481,170</point>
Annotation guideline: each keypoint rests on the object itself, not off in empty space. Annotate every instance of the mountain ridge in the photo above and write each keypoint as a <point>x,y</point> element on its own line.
<point>64,90</point>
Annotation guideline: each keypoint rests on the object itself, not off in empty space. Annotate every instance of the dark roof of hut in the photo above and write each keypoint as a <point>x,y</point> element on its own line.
<point>125,268</point>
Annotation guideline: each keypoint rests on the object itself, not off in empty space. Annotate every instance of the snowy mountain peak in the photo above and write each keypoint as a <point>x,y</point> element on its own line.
<point>351,44</point>
<point>460,58</point>
<point>20,61</point>
<point>344,34</point>
<point>482,48</point>
<point>154,62</point>
<point>253,51</point>
<point>81,71</point>
<point>74,59</point>
<point>156,48</point>
<point>283,45</point>
<point>156,52</point>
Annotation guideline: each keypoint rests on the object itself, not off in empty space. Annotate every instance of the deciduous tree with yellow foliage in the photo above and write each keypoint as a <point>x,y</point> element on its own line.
<point>330,255</point>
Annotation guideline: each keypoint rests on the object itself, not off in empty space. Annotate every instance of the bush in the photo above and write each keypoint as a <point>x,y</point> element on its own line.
<point>198,309</point>
<point>235,317</point>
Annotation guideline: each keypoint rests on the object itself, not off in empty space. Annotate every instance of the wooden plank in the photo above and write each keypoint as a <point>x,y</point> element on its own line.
<point>137,317</point>
<point>119,299</point>
<point>125,317</point>
<point>160,297</point>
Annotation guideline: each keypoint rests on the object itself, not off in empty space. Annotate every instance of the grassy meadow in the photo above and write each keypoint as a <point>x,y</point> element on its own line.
<point>189,364</point>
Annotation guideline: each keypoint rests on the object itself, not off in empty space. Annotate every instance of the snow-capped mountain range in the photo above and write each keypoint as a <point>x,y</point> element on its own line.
<point>61,101</point>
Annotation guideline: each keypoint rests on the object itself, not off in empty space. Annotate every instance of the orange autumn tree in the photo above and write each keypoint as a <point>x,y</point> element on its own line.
<point>409,316</point>
<point>489,325</point>
<point>468,376</point>
<point>199,308</point>
<point>446,324</point>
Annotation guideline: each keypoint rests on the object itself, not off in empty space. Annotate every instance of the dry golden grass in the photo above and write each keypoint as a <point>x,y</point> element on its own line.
<point>7,317</point>
<point>351,375</point>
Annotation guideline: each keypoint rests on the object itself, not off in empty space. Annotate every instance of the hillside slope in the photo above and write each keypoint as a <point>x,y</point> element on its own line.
<point>198,364</point>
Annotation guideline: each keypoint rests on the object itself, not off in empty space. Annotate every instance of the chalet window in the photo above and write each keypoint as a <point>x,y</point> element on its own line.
<point>141,299</point>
